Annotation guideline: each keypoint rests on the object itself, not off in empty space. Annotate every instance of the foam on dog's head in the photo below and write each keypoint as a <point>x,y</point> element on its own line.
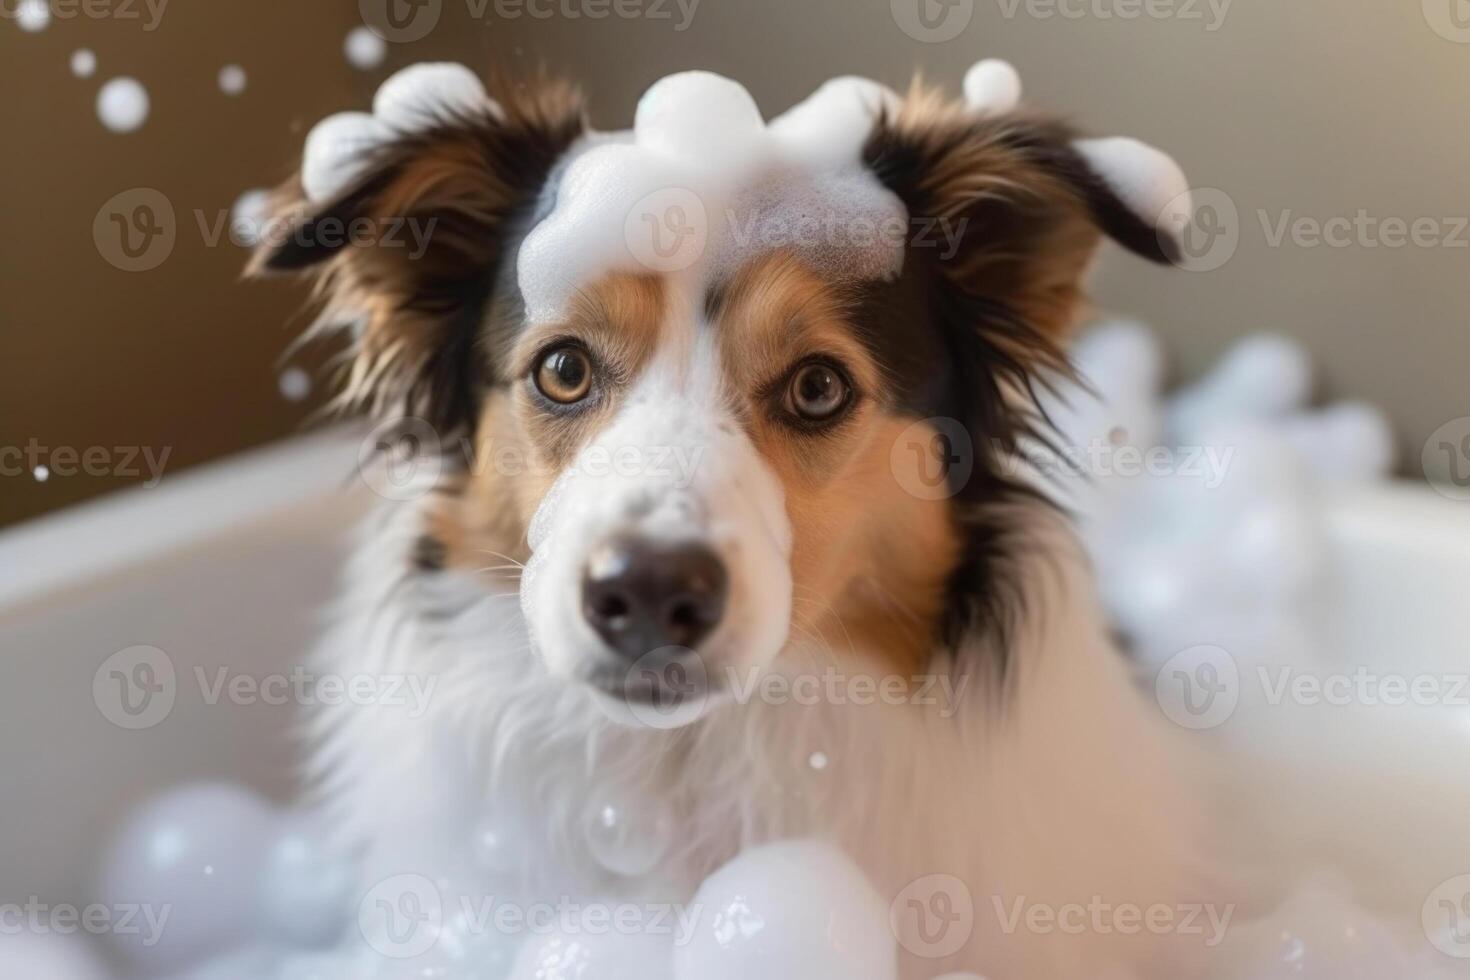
<point>419,97</point>
<point>702,184</point>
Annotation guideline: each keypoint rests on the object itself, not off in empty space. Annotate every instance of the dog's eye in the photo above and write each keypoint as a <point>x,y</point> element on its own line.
<point>565,375</point>
<point>817,392</point>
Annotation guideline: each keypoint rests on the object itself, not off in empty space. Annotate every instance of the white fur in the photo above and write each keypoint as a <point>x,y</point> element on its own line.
<point>723,495</point>
<point>1060,789</point>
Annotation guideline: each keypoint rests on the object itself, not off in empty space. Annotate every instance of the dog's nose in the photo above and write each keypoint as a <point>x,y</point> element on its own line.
<point>640,595</point>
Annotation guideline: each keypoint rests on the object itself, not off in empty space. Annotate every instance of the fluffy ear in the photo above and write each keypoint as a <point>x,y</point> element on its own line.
<point>1026,202</point>
<point>403,218</point>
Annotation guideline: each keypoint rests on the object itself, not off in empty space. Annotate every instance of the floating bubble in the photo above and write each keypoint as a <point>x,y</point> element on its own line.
<point>158,863</point>
<point>364,49</point>
<point>83,62</point>
<point>33,16</point>
<point>42,473</point>
<point>232,79</point>
<point>248,217</point>
<point>123,104</point>
<point>295,384</point>
<point>629,835</point>
<point>797,910</point>
<point>306,892</point>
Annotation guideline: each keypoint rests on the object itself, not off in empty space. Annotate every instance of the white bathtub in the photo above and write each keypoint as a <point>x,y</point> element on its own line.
<point>228,566</point>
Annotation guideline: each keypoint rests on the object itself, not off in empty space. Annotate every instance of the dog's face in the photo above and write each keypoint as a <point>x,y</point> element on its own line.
<point>702,465</point>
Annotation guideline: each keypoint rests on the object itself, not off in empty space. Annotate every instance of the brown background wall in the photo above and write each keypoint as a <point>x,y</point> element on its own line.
<point>1313,108</point>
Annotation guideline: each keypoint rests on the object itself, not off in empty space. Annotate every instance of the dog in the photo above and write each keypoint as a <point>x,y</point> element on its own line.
<point>713,533</point>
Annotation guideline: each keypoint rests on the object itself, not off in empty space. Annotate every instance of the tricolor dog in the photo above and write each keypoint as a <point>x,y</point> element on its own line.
<point>712,425</point>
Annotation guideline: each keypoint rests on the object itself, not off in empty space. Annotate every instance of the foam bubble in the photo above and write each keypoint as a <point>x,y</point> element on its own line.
<point>364,49</point>
<point>123,105</point>
<point>1145,178</point>
<point>830,126</point>
<point>33,16</point>
<point>992,87</point>
<point>83,63</point>
<point>232,79</point>
<point>701,185</point>
<point>248,217</point>
<point>295,384</point>
<point>699,116</point>
<point>336,153</point>
<point>419,95</point>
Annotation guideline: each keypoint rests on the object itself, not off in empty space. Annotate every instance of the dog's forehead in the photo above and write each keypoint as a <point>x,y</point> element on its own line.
<point>702,185</point>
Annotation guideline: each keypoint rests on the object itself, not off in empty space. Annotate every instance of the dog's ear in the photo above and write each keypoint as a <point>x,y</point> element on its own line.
<point>1015,206</point>
<point>404,218</point>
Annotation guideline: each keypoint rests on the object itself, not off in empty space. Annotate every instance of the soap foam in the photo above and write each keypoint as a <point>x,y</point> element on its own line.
<point>702,185</point>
